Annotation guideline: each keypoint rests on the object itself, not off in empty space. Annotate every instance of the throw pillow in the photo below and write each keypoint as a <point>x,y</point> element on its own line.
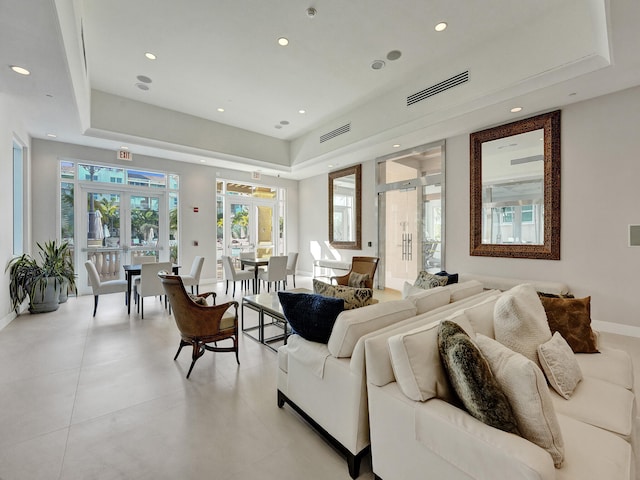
<point>358,280</point>
<point>526,388</point>
<point>520,322</point>
<point>197,299</point>
<point>310,316</point>
<point>352,297</point>
<point>560,365</point>
<point>472,380</point>
<point>451,277</point>
<point>572,318</point>
<point>428,280</point>
<point>408,289</point>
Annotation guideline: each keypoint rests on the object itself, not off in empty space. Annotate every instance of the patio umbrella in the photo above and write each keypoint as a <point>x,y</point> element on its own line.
<point>97,225</point>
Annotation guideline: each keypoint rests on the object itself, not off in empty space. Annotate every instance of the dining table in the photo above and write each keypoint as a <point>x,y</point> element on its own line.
<point>131,271</point>
<point>255,263</point>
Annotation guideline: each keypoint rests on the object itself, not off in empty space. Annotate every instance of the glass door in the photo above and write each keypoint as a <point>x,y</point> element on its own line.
<point>410,208</point>
<point>120,228</point>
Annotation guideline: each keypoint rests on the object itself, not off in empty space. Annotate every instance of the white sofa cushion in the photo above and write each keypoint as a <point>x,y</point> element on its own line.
<point>526,388</point>
<point>352,324</point>
<point>427,300</point>
<point>480,316</point>
<point>559,365</point>
<point>464,289</point>
<point>601,404</point>
<point>520,321</point>
<point>416,362</point>
<point>504,283</point>
<point>610,364</point>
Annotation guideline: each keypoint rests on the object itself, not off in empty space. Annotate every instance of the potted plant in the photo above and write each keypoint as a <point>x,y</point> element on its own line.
<point>40,281</point>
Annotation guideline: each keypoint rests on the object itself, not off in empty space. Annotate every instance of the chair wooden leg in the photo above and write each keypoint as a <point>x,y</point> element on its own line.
<point>95,305</point>
<point>198,351</point>
<point>182,344</point>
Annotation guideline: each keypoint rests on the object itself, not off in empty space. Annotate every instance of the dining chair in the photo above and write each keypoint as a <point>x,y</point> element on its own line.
<point>233,275</point>
<point>276,272</point>
<point>200,325</point>
<point>149,285</point>
<point>360,265</point>
<point>292,261</point>
<point>248,255</point>
<point>193,278</point>
<point>102,288</point>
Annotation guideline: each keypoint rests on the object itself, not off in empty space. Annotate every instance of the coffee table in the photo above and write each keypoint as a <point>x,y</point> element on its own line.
<point>267,305</point>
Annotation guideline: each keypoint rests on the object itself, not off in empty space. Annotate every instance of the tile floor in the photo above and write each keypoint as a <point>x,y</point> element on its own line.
<point>101,398</point>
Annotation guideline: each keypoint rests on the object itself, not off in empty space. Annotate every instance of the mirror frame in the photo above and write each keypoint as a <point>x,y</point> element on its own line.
<point>357,244</point>
<point>550,249</point>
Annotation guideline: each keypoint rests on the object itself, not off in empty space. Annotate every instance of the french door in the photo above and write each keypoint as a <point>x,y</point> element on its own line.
<point>249,226</point>
<point>121,226</point>
<point>410,214</point>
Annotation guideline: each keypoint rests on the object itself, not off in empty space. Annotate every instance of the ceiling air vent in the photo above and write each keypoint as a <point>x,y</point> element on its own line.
<point>334,133</point>
<point>438,88</point>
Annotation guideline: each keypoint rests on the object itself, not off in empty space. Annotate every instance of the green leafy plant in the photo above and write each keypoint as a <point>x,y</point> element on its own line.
<point>28,276</point>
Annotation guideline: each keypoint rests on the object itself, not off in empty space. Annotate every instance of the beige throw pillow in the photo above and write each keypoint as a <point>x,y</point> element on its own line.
<point>526,388</point>
<point>560,365</point>
<point>353,297</point>
<point>520,322</point>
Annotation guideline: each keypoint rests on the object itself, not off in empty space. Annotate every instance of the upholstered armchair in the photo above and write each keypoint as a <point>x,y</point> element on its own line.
<point>362,266</point>
<point>200,324</point>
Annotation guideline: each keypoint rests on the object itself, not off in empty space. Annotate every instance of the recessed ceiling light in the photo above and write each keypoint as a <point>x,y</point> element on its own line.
<point>51,135</point>
<point>278,126</point>
<point>377,65</point>
<point>330,165</point>
<point>394,55</point>
<point>302,111</point>
<point>144,79</point>
<point>284,122</point>
<point>150,56</point>
<point>124,147</point>
<point>572,94</point>
<point>516,109</point>
<point>283,42</point>
<point>20,70</point>
<point>142,86</point>
<point>203,161</point>
<point>221,109</point>
<point>440,27</point>
<point>396,145</point>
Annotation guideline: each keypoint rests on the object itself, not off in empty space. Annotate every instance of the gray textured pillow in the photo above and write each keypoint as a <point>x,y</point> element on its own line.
<point>472,380</point>
<point>559,365</point>
<point>428,280</point>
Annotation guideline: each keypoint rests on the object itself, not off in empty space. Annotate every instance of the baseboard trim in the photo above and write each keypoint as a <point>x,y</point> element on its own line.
<point>7,319</point>
<point>618,328</point>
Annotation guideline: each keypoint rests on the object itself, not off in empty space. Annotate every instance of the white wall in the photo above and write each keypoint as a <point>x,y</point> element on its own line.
<point>197,189</point>
<point>314,220</point>
<point>600,197</point>
<point>11,126</point>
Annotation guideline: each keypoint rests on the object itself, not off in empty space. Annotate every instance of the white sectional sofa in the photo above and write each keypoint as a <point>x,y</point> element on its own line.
<point>326,384</point>
<point>418,432</point>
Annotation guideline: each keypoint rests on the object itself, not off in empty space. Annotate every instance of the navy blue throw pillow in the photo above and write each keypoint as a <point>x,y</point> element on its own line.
<point>310,315</point>
<point>452,277</point>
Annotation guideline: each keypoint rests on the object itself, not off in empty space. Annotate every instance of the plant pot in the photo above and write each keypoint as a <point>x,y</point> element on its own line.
<point>64,291</point>
<point>47,300</point>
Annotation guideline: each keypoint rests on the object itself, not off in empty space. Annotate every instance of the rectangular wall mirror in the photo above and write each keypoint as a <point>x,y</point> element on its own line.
<point>515,189</point>
<point>345,208</point>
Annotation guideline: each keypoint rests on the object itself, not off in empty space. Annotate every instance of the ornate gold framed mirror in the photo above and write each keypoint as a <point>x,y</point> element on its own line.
<point>345,206</point>
<point>515,189</point>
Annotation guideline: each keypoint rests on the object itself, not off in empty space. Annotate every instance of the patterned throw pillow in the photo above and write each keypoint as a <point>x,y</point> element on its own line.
<point>572,318</point>
<point>358,280</point>
<point>428,280</point>
<point>353,297</point>
<point>472,380</point>
<point>197,299</point>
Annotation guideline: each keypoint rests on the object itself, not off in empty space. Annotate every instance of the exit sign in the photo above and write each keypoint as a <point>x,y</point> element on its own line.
<point>124,155</point>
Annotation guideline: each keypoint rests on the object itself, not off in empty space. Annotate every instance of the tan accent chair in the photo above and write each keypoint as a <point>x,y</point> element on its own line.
<point>102,288</point>
<point>193,278</point>
<point>200,325</point>
<point>362,265</point>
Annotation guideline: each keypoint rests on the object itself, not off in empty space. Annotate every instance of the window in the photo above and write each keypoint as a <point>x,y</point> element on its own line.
<point>18,195</point>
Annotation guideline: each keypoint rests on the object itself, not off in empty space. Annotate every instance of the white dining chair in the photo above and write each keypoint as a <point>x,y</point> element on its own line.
<point>292,261</point>
<point>193,278</point>
<point>276,272</point>
<point>102,288</point>
<point>233,275</point>
<point>149,283</point>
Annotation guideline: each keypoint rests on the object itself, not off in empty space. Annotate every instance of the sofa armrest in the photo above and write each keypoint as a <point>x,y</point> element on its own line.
<point>487,451</point>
